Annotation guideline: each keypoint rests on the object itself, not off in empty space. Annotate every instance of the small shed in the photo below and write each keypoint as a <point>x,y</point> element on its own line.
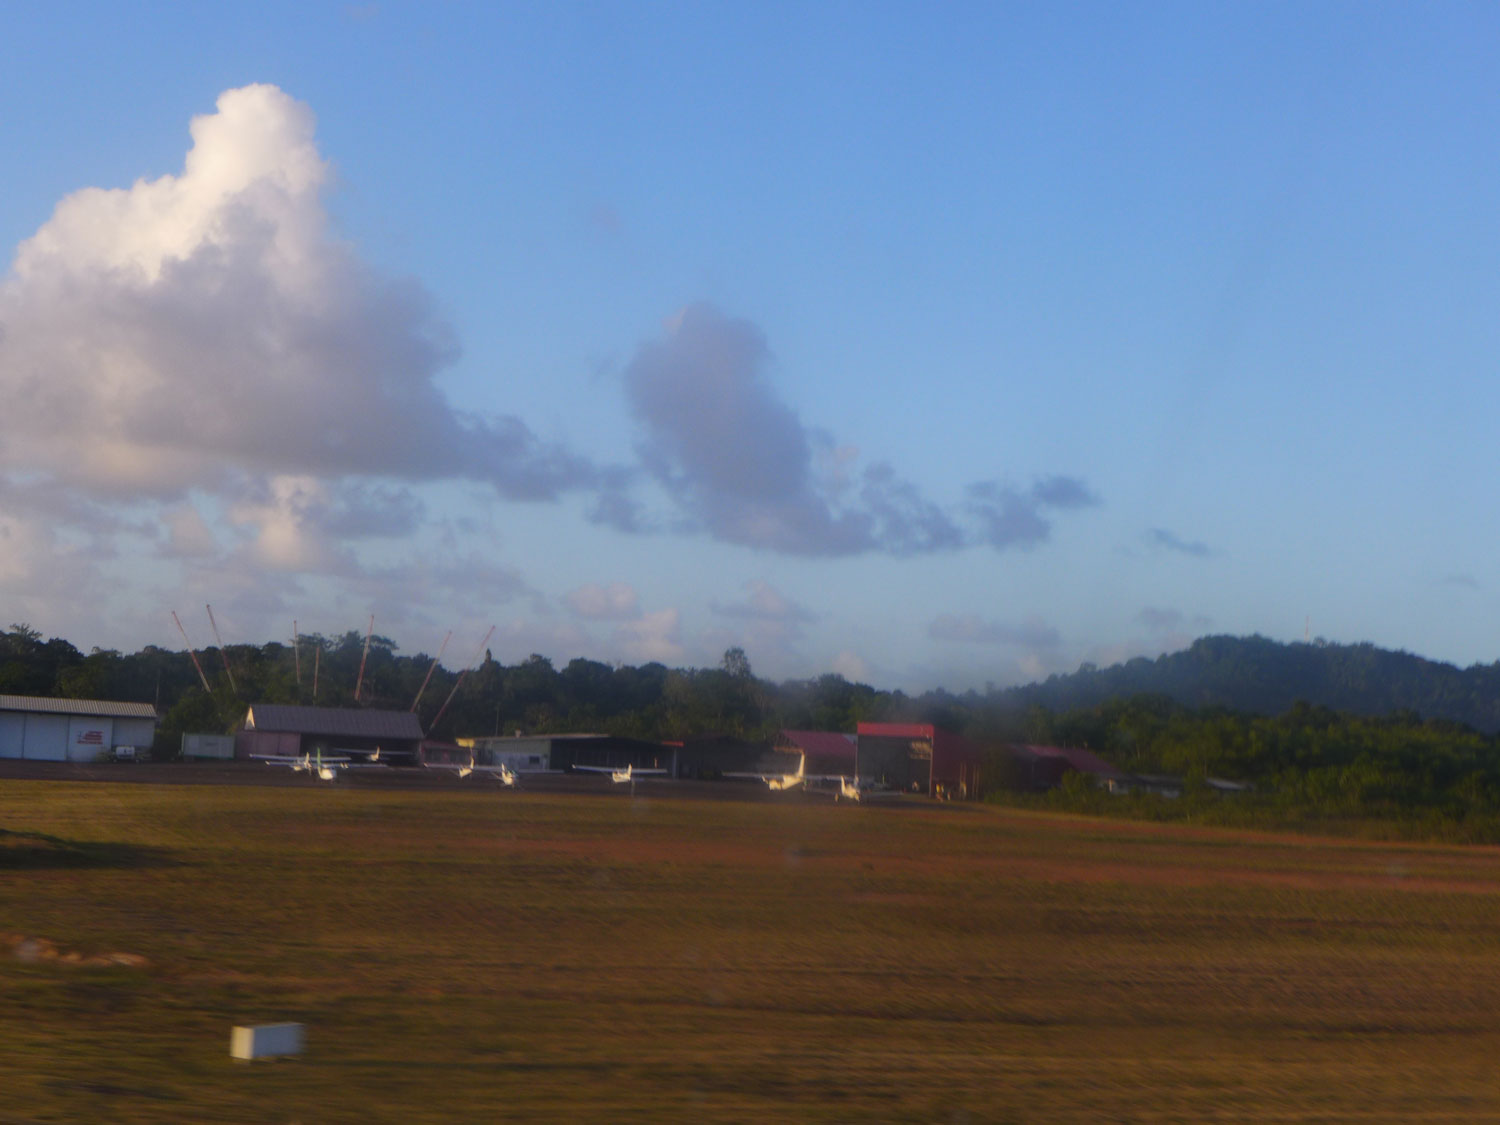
<point>280,728</point>
<point>72,730</point>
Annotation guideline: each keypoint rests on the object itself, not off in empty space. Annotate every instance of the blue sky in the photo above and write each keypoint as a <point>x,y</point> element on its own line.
<point>935,348</point>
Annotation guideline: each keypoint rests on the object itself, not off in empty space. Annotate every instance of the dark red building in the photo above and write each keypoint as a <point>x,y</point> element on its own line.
<point>919,758</point>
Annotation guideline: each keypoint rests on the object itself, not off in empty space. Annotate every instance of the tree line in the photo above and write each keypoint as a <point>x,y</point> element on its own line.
<point>646,701</point>
<point>1308,761</point>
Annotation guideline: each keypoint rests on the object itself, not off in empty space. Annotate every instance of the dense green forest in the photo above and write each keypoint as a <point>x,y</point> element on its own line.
<point>1324,732</point>
<point>1311,767</point>
<point>1266,677</point>
<point>1252,675</point>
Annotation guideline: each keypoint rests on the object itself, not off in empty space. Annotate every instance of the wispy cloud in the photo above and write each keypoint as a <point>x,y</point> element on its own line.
<point>616,602</point>
<point>763,602</point>
<point>1171,620</point>
<point>1011,517</point>
<point>652,637</point>
<point>970,628</point>
<point>1162,539</point>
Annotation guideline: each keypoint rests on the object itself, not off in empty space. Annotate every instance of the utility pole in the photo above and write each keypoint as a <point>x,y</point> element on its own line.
<point>360,681</point>
<point>461,676</point>
<point>224,656</point>
<point>191,653</point>
<point>430,671</point>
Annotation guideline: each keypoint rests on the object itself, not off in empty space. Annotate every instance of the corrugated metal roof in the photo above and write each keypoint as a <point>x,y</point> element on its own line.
<point>102,708</point>
<point>332,721</point>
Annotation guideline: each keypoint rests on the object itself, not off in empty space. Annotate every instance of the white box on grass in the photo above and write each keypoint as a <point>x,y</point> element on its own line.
<point>265,1040</point>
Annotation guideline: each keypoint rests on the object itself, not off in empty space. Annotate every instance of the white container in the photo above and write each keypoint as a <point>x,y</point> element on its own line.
<point>265,1040</point>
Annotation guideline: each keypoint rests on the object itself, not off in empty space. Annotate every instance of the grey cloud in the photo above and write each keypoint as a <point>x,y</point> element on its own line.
<point>1006,517</point>
<point>368,511</point>
<point>1172,620</point>
<point>1463,581</point>
<point>616,602</point>
<point>725,447</point>
<point>1010,517</point>
<point>763,602</point>
<point>61,506</point>
<point>1160,620</point>
<point>1161,538</point>
<point>1063,492</point>
<point>613,508</point>
<point>475,579</point>
<point>742,466</point>
<point>970,628</point>
<point>906,522</point>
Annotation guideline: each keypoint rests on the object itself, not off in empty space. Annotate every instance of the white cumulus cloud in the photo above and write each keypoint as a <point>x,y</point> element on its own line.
<point>652,637</point>
<point>196,328</point>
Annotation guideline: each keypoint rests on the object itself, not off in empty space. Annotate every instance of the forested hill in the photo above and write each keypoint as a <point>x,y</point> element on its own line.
<point>1249,675</point>
<point>1262,676</point>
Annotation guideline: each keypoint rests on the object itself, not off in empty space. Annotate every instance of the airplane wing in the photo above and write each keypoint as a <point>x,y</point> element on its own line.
<point>290,759</point>
<point>302,761</point>
<point>494,771</point>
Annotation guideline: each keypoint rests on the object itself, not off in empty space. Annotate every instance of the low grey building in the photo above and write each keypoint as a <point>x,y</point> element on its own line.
<point>281,728</point>
<point>72,730</point>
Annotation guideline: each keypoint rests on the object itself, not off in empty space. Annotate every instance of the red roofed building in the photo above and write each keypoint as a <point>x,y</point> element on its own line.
<point>828,753</point>
<point>1042,767</point>
<point>920,758</point>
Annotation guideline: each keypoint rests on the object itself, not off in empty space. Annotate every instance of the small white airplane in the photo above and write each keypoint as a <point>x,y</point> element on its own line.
<point>853,789</point>
<point>625,776</point>
<point>787,781</point>
<point>504,773</point>
<point>782,782</point>
<point>325,768</point>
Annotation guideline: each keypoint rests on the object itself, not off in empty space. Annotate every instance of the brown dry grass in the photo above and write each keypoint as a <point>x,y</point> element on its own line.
<point>474,956</point>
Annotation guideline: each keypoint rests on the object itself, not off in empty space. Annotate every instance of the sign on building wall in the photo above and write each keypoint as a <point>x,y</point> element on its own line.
<point>88,738</point>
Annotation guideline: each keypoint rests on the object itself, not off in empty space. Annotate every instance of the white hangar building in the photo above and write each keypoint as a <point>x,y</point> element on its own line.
<point>71,730</point>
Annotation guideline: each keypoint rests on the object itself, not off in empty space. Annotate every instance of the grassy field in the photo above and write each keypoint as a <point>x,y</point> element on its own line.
<point>479,956</point>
